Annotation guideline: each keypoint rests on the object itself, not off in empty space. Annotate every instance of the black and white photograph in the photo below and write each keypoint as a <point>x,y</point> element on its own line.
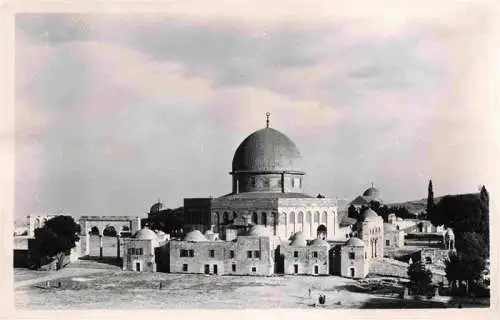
<point>304,155</point>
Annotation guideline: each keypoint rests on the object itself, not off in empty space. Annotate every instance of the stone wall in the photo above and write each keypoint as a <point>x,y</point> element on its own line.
<point>305,261</point>
<point>360,262</point>
<point>225,255</point>
<point>389,267</point>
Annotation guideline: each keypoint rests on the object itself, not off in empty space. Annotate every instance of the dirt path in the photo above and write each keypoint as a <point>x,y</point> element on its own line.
<point>63,273</point>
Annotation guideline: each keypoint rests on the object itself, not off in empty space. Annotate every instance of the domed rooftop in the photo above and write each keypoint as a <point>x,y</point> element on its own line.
<point>299,240</point>
<point>355,242</point>
<point>319,243</point>
<point>155,208</point>
<point>145,234</point>
<point>194,236</point>
<point>258,231</point>
<point>266,150</point>
<point>372,194</point>
<point>369,214</point>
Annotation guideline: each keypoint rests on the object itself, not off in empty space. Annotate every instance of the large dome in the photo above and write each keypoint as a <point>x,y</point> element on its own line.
<point>266,150</point>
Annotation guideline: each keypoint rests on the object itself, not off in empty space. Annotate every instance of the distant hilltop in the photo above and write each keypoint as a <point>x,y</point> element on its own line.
<point>417,206</point>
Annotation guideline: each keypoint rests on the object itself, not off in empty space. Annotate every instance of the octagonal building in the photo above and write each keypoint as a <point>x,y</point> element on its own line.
<point>267,190</point>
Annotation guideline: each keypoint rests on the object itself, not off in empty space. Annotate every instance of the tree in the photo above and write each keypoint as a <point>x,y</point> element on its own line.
<point>430,198</point>
<point>462,213</point>
<point>352,212</point>
<point>420,277</point>
<point>468,263</point>
<point>55,240</point>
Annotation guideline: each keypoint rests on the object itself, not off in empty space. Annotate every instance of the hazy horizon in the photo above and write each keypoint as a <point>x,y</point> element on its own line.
<point>114,112</point>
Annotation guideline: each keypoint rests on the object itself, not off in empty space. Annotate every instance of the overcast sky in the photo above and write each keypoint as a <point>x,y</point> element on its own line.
<point>116,111</point>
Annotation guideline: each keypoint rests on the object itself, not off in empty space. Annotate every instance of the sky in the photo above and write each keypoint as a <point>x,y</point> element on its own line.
<point>115,111</point>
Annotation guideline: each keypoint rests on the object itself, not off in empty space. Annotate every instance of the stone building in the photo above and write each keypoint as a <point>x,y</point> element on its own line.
<point>371,232</point>
<point>354,259</point>
<point>140,251</point>
<point>251,254</point>
<point>267,190</point>
<point>303,258</point>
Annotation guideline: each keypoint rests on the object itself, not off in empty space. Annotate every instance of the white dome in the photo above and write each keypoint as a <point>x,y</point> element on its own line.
<point>258,231</point>
<point>299,240</point>
<point>145,234</point>
<point>194,236</point>
<point>355,242</point>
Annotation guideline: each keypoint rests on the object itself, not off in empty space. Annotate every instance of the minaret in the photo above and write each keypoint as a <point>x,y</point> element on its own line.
<point>267,119</point>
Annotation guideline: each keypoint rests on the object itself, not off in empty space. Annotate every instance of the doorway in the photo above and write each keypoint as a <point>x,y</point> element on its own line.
<point>352,272</point>
<point>321,232</point>
<point>207,269</point>
<point>215,269</point>
<point>137,266</point>
<point>316,270</point>
<point>295,268</point>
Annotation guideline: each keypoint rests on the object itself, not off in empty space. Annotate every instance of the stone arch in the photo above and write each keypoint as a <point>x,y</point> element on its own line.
<point>264,218</point>
<point>94,230</point>
<point>428,260</point>
<point>109,231</point>
<point>324,218</point>
<point>300,220</point>
<point>225,218</point>
<point>292,222</point>
<point>316,217</point>
<point>321,232</point>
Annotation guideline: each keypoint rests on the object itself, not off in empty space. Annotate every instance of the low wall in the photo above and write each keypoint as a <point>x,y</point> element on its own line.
<point>389,267</point>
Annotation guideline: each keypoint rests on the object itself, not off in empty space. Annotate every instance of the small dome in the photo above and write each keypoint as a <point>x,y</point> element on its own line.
<point>194,236</point>
<point>389,227</point>
<point>355,242</point>
<point>299,240</point>
<point>372,193</point>
<point>209,232</point>
<point>258,231</point>
<point>145,234</point>
<point>319,243</point>
<point>449,232</point>
<point>155,208</point>
<point>369,214</point>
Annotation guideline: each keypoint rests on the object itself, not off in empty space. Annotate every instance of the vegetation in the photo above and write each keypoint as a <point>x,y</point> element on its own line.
<point>430,199</point>
<point>468,216</point>
<point>420,278</point>
<point>55,240</point>
<point>382,210</point>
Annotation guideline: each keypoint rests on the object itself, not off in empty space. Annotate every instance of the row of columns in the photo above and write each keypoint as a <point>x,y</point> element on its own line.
<point>101,247</point>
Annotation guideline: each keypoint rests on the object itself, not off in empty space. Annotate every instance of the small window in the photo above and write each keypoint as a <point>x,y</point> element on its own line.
<point>211,253</point>
<point>295,268</point>
<point>231,254</point>
<point>351,255</point>
<point>233,267</point>
<point>140,251</point>
<point>295,254</point>
<point>254,269</point>
<point>316,270</point>
<point>266,182</point>
<point>183,253</point>
<point>293,183</point>
<point>387,242</point>
<point>366,255</point>
<point>184,267</point>
<point>249,254</point>
<point>315,254</point>
<point>191,253</point>
<point>300,182</point>
<point>252,181</point>
<point>257,254</point>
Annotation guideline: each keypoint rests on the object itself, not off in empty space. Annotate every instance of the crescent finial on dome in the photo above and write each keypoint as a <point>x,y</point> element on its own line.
<point>267,119</point>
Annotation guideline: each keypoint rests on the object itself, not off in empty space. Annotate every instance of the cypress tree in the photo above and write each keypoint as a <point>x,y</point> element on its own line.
<point>430,199</point>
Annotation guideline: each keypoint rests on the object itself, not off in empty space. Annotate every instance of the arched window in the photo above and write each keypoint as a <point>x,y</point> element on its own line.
<point>292,217</point>
<point>316,217</point>
<point>225,218</point>
<point>301,217</point>
<point>264,218</point>
<point>266,182</point>
<point>254,218</point>
<point>252,182</point>
<point>324,217</point>
<point>234,215</point>
<point>428,260</point>
<point>283,219</point>
<point>308,217</point>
